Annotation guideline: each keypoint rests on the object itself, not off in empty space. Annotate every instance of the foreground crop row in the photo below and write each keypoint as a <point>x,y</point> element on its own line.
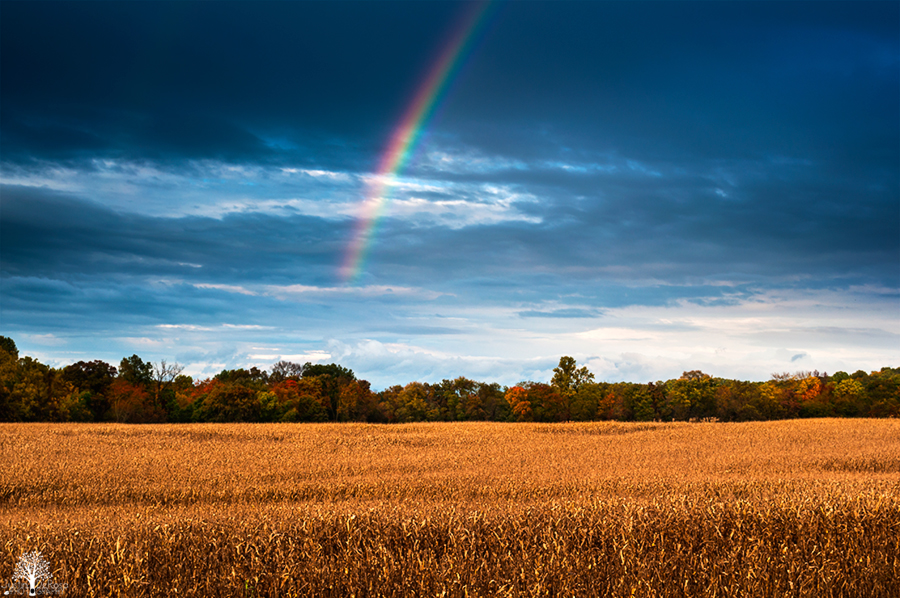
<point>769,509</point>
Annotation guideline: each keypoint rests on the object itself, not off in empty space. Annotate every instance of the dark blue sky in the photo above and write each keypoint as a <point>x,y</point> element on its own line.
<point>647,186</point>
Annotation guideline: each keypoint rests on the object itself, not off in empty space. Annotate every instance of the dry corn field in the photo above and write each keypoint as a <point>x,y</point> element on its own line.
<point>796,508</point>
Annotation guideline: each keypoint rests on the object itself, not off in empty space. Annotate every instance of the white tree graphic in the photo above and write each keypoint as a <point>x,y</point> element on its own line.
<point>32,568</point>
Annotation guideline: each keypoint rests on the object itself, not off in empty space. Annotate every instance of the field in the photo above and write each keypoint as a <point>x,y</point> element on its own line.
<point>794,508</point>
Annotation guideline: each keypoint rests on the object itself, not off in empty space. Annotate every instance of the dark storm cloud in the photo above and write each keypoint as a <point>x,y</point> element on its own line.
<point>589,157</point>
<point>671,229</point>
<point>198,79</point>
<point>652,80</point>
<point>708,79</point>
<point>54,234</point>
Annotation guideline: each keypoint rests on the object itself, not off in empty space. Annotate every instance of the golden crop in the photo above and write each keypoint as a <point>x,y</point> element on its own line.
<point>794,508</point>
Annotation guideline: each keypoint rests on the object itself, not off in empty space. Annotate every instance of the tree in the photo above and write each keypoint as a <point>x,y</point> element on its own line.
<point>164,374</point>
<point>568,378</point>
<point>252,378</point>
<point>413,403</point>
<point>356,401</point>
<point>299,400</point>
<point>135,370</point>
<point>332,369</point>
<point>284,370</point>
<point>93,378</point>
<point>489,404</point>
<point>691,396</point>
<point>813,398</point>
<point>333,377</point>
<point>33,393</point>
<point>230,403</point>
<point>586,401</point>
<point>32,568</point>
<point>9,366</point>
<point>132,403</point>
<point>648,400</point>
<point>75,406</point>
<point>547,403</point>
<point>9,345</point>
<point>519,405</point>
<point>738,401</point>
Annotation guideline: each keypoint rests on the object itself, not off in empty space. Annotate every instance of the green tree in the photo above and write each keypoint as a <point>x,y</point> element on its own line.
<point>92,380</point>
<point>413,403</point>
<point>134,370</point>
<point>9,346</point>
<point>691,396</point>
<point>230,403</point>
<point>35,392</point>
<point>333,377</point>
<point>568,377</point>
<point>9,365</point>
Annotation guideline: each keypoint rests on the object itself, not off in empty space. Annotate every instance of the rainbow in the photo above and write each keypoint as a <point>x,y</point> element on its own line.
<point>405,137</point>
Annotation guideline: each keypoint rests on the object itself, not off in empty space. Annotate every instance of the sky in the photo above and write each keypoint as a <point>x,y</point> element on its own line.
<point>649,187</point>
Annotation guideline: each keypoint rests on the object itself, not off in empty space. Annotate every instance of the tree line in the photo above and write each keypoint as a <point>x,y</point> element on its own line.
<point>143,392</point>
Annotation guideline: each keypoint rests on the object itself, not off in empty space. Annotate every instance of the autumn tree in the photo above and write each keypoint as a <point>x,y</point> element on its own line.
<point>284,370</point>
<point>356,401</point>
<point>132,403</point>
<point>547,403</point>
<point>519,405</point>
<point>847,393</point>
<point>300,400</point>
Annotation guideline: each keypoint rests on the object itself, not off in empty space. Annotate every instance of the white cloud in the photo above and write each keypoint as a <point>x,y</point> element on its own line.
<point>415,339</point>
<point>298,290</point>
<point>226,287</point>
<point>215,189</point>
<point>313,356</point>
<point>316,173</point>
<point>467,161</point>
<point>458,213</point>
<point>49,340</point>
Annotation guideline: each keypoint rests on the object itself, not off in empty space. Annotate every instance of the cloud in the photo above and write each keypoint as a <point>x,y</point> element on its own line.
<point>298,291</point>
<point>317,173</point>
<point>226,287</point>
<point>569,312</point>
<point>693,186</point>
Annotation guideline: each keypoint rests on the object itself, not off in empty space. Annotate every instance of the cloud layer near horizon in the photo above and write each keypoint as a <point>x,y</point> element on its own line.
<point>647,187</point>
